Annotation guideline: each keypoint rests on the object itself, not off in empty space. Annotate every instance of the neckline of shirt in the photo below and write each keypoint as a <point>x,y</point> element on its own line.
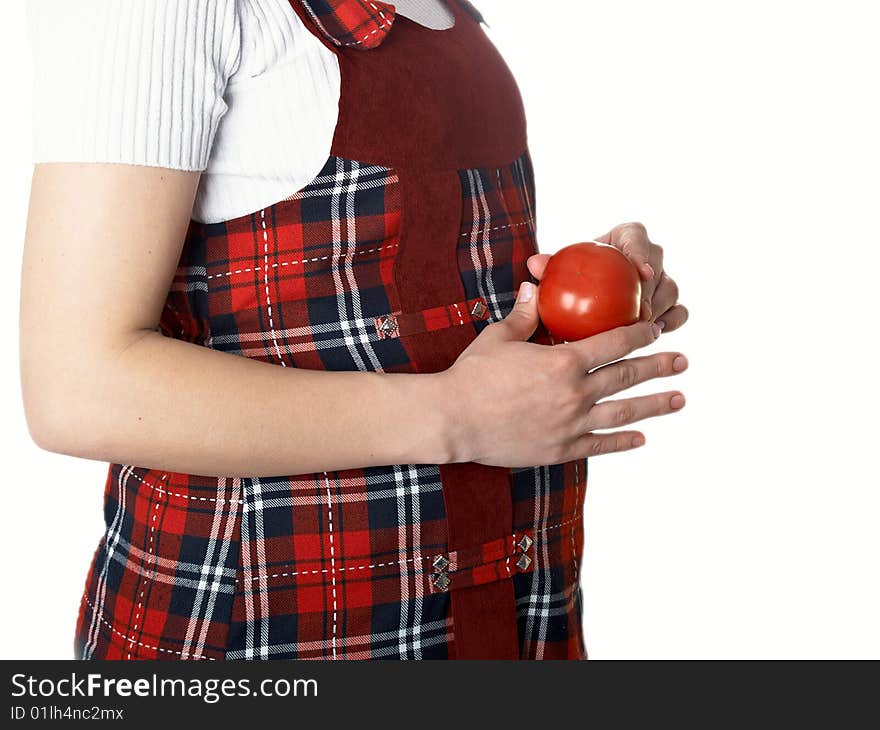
<point>410,12</point>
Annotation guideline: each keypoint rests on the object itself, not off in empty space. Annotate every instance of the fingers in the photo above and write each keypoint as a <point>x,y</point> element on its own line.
<point>649,288</point>
<point>665,295</point>
<point>673,318</point>
<point>632,239</point>
<point>619,376</point>
<point>537,263</point>
<point>596,444</point>
<point>612,345</point>
<point>623,412</point>
<point>614,414</point>
<point>521,322</point>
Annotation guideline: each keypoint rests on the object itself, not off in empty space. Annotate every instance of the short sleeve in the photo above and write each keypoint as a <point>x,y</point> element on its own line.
<point>130,82</point>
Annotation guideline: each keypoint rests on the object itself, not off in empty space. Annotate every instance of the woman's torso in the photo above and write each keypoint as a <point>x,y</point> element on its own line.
<point>409,240</point>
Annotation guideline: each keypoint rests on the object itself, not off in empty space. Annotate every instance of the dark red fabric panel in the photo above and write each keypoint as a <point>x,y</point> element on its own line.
<point>478,508</point>
<point>428,99</point>
<point>477,497</point>
<point>428,104</point>
<point>484,622</point>
<point>427,267</point>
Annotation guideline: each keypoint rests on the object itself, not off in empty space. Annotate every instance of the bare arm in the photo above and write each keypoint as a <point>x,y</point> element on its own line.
<point>99,382</point>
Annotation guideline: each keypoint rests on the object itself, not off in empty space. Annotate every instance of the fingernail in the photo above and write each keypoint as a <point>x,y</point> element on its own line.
<point>655,330</point>
<point>650,269</point>
<point>525,292</point>
<point>677,401</point>
<point>638,441</point>
<point>680,363</point>
<point>661,324</point>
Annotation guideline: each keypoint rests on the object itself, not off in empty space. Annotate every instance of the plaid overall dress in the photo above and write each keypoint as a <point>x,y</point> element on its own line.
<point>410,240</point>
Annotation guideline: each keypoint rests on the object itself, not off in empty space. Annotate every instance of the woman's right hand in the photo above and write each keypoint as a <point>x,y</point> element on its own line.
<point>525,404</point>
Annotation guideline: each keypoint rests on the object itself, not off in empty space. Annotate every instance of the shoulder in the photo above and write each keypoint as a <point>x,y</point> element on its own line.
<point>139,82</point>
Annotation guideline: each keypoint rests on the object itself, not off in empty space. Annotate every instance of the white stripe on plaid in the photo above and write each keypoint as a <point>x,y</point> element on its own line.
<point>213,570</point>
<point>112,537</point>
<point>351,321</point>
<point>333,335</point>
<point>252,538</point>
<point>559,603</point>
<point>481,243</point>
<point>292,492</point>
<point>207,580</point>
<point>539,598</point>
<point>369,177</point>
<point>524,187</point>
<point>342,197</point>
<point>332,560</point>
<point>174,572</point>
<point>403,487</point>
<point>411,587</point>
<point>366,646</point>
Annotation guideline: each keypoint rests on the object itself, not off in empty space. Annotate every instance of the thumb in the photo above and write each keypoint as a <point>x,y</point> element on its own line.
<point>522,321</point>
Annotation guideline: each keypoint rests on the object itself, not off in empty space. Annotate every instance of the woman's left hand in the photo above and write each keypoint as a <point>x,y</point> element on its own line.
<point>659,290</point>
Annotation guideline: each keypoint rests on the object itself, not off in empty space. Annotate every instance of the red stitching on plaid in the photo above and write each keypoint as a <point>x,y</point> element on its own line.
<point>332,557</point>
<point>141,643</point>
<point>144,577</point>
<point>561,524</point>
<point>380,26</point>
<point>184,496</point>
<point>452,558</point>
<point>370,566</point>
<point>294,262</point>
<point>266,281</point>
<point>381,15</point>
<point>263,576</point>
<point>527,222</point>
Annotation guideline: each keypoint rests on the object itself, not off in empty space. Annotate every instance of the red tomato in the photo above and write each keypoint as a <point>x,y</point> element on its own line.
<point>588,288</point>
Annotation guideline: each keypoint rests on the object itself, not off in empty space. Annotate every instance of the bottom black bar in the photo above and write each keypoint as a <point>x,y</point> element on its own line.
<point>435,694</point>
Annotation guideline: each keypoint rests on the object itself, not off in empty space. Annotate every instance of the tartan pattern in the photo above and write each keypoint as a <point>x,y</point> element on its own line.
<point>164,572</point>
<point>351,582</point>
<point>498,235</point>
<point>301,283</point>
<point>360,24</point>
<point>548,502</point>
<point>332,564</point>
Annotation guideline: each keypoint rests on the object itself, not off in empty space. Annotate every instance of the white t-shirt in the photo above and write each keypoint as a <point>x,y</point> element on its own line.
<point>240,90</point>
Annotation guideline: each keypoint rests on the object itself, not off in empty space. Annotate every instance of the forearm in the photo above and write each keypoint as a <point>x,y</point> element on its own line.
<point>169,404</point>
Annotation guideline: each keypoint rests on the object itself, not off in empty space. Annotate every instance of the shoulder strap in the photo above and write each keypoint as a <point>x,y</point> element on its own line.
<point>362,24</point>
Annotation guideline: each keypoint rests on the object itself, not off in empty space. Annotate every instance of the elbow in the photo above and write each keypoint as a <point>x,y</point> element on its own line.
<point>68,408</point>
<point>47,421</point>
<point>42,432</point>
<point>58,419</point>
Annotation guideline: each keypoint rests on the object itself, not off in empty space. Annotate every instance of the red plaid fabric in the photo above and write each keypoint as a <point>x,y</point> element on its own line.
<point>354,23</point>
<point>350,564</point>
<point>498,234</point>
<point>333,564</point>
<point>164,569</point>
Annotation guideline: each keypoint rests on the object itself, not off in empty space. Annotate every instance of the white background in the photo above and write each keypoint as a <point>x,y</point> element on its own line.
<point>745,136</point>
